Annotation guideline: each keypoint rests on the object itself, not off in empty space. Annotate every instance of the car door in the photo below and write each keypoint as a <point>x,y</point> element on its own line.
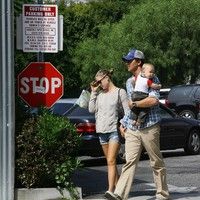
<point>172,134</point>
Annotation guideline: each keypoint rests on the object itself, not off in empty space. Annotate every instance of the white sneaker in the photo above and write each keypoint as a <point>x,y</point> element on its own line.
<point>160,197</point>
<point>111,196</point>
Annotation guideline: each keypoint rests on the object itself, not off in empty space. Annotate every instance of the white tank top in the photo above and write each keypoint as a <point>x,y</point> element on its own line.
<point>141,84</point>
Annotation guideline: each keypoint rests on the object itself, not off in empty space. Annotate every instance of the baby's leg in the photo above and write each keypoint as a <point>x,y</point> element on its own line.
<point>134,115</point>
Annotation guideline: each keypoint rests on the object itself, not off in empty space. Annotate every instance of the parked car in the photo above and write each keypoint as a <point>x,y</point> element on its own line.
<point>85,125</point>
<point>185,100</point>
<point>176,132</point>
<point>163,94</point>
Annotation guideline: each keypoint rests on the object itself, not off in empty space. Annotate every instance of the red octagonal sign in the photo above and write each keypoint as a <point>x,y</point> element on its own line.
<point>40,84</point>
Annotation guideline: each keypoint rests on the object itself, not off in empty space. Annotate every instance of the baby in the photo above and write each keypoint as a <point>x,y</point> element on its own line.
<point>142,83</point>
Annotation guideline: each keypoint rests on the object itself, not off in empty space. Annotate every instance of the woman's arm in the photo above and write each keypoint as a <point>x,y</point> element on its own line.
<point>92,102</point>
<point>93,98</point>
<point>124,100</point>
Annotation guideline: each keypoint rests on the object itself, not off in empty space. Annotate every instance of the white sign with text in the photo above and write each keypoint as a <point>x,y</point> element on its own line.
<point>40,28</point>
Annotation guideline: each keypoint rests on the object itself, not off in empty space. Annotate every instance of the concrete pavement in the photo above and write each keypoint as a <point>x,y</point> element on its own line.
<point>179,193</point>
<point>182,170</point>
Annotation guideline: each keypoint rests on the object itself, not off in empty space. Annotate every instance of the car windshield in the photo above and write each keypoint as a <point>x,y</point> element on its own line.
<point>70,109</point>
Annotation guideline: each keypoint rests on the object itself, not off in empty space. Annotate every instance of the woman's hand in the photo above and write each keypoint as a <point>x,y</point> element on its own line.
<point>94,86</point>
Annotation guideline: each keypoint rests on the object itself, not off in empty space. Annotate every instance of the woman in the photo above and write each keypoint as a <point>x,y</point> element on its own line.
<point>104,102</point>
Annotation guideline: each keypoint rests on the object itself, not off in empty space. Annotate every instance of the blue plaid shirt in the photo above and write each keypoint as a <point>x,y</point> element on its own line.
<point>153,116</point>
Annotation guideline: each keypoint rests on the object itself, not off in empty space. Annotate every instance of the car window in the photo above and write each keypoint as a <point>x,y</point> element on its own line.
<point>163,95</point>
<point>70,109</point>
<point>179,92</point>
<point>78,111</point>
<point>197,93</point>
<point>61,108</point>
<point>165,114</point>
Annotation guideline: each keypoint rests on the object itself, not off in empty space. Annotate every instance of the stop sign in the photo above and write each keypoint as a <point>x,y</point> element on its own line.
<point>40,84</point>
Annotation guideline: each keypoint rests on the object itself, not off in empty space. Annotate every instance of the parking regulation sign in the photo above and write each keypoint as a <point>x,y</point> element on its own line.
<point>40,28</point>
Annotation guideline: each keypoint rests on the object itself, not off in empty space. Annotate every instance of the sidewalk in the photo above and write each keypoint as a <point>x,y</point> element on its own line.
<point>147,197</point>
<point>179,193</point>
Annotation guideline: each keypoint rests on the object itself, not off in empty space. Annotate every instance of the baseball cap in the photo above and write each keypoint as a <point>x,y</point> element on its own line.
<point>132,54</point>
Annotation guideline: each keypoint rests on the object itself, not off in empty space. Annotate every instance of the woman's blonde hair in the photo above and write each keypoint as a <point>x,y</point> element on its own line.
<point>104,72</point>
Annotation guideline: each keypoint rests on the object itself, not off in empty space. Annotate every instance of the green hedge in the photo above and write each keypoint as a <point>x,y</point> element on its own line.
<point>46,150</point>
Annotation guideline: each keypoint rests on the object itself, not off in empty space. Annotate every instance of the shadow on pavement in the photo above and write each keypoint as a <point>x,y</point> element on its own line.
<point>93,161</point>
<point>91,181</point>
<point>101,161</point>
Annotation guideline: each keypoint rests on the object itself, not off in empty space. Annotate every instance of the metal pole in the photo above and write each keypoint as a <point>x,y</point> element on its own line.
<point>7,101</point>
<point>40,55</point>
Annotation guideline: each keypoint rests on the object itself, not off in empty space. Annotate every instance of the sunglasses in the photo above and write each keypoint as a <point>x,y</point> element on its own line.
<point>99,81</point>
<point>96,83</point>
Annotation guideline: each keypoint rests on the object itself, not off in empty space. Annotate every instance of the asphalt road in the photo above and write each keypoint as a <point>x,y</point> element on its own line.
<point>183,175</point>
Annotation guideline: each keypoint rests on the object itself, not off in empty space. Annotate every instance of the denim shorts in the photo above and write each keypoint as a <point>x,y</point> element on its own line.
<point>105,138</point>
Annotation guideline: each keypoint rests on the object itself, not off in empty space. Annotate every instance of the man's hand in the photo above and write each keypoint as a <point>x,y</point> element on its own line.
<point>122,130</point>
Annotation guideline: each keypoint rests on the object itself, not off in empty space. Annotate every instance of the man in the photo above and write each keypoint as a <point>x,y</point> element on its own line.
<point>146,135</point>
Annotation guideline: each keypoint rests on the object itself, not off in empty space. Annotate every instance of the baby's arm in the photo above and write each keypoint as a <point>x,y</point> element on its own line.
<point>155,86</point>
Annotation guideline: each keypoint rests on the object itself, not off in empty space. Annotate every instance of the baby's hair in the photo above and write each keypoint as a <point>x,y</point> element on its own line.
<point>104,72</point>
<point>147,64</point>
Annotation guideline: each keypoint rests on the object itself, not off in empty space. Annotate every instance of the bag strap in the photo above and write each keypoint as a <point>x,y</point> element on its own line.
<point>120,102</point>
<point>119,98</point>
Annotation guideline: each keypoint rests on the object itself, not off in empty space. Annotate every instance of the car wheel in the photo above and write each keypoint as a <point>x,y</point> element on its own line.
<point>187,114</point>
<point>193,143</point>
<point>121,155</point>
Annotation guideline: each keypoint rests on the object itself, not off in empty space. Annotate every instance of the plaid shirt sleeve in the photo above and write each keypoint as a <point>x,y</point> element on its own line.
<point>129,87</point>
<point>127,117</point>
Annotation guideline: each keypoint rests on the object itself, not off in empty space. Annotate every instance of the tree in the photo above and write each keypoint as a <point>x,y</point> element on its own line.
<point>167,31</point>
<point>81,21</point>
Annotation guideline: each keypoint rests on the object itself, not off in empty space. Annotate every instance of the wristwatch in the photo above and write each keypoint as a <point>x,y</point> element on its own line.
<point>134,104</point>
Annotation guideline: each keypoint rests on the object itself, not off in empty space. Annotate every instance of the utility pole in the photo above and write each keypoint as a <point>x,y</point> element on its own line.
<point>7,101</point>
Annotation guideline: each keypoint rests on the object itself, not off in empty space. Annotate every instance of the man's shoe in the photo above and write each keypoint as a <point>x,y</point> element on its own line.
<point>111,196</point>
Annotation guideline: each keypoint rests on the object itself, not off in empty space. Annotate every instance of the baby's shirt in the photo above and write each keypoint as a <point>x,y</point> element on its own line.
<point>142,84</point>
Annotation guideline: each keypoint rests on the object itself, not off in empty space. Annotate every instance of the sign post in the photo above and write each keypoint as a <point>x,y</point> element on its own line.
<point>7,101</point>
<point>40,84</point>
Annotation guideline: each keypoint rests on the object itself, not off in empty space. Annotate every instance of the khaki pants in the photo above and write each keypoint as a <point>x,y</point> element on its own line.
<point>150,139</point>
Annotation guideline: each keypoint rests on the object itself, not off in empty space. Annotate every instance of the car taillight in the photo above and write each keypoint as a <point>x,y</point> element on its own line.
<point>166,103</point>
<point>85,128</point>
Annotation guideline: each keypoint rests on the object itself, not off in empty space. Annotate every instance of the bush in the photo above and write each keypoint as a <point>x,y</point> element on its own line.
<point>46,152</point>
